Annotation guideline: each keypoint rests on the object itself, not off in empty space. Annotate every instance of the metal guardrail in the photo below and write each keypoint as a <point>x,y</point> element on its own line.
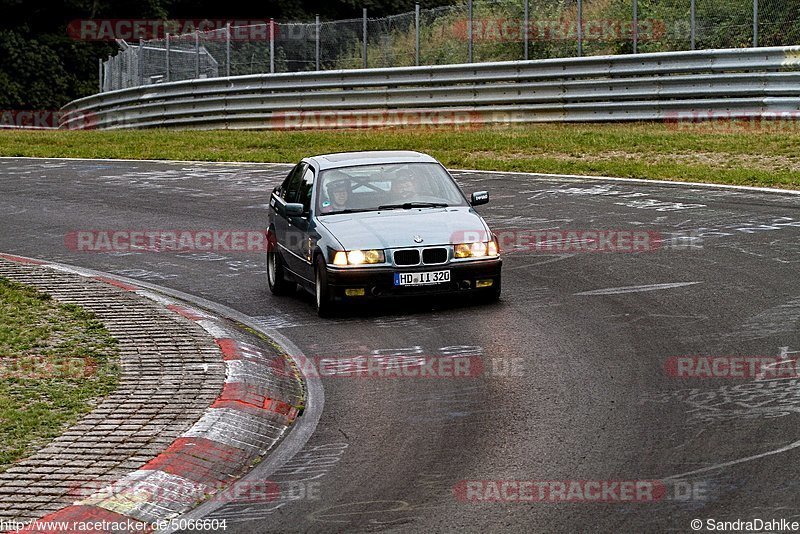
<point>744,82</point>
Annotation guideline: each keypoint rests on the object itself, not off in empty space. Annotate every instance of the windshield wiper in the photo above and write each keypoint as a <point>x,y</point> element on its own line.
<point>349,211</point>
<point>409,205</point>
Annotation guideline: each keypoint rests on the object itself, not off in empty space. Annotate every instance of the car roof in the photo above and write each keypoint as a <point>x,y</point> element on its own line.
<point>372,157</point>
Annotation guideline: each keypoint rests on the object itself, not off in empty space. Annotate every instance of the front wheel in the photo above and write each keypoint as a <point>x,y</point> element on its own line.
<point>322,296</point>
<point>276,279</point>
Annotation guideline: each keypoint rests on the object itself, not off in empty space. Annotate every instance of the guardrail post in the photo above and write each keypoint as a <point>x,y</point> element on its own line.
<point>755,23</point>
<point>197,54</point>
<point>635,25</point>
<point>140,62</point>
<point>526,22</point>
<point>692,24</point>
<point>469,31</point>
<point>166,78</point>
<point>100,69</point>
<point>364,30</point>
<point>228,49</point>
<point>416,32</point>
<point>316,40</point>
<point>271,46</point>
<point>580,28</point>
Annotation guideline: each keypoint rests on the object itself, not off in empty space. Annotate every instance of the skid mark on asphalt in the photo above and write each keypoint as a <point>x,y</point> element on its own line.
<point>299,479</point>
<point>376,513</point>
<point>655,320</point>
<point>143,274</point>
<point>762,398</point>
<point>635,289</point>
<point>537,263</point>
<point>778,320</point>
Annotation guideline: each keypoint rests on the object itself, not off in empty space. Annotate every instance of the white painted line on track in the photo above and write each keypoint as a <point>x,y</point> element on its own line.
<point>635,289</point>
<point>639,181</point>
<point>723,465</point>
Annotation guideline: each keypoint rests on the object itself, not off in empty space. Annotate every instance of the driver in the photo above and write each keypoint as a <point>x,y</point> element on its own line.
<point>405,185</point>
<point>338,194</point>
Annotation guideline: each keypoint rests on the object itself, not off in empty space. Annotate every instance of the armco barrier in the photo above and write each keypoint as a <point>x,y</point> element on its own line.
<point>745,82</point>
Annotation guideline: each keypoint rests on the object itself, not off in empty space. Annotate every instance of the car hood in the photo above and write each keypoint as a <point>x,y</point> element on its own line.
<point>397,228</point>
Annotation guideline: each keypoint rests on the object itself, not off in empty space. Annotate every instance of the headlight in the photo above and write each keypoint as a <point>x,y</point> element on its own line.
<point>479,249</point>
<point>358,257</point>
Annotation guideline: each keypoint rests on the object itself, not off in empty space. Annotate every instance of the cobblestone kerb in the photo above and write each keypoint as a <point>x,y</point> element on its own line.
<point>200,400</point>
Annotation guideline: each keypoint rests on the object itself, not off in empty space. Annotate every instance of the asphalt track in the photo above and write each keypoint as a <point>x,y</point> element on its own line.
<point>590,332</point>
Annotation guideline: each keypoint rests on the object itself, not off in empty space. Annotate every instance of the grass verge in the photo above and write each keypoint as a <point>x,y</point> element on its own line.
<point>743,153</point>
<point>56,360</point>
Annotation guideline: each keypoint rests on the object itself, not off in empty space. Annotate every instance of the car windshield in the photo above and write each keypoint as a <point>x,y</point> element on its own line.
<point>386,187</point>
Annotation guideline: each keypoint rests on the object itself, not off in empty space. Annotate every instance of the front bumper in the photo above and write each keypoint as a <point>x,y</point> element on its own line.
<point>378,282</point>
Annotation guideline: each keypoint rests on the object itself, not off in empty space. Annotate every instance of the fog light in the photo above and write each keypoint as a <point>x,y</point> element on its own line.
<point>484,283</point>
<point>355,292</point>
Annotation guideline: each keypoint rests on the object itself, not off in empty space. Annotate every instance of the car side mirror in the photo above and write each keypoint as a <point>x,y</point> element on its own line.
<point>293,209</point>
<point>479,197</point>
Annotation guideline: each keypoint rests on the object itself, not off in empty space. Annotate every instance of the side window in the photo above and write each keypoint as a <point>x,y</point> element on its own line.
<point>291,187</point>
<point>281,190</point>
<point>306,189</point>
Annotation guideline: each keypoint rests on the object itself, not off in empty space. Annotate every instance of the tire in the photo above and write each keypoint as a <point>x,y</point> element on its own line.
<point>322,296</point>
<point>276,278</point>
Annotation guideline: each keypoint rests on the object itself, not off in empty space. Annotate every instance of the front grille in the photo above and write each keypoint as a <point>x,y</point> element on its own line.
<point>434,255</point>
<point>406,257</point>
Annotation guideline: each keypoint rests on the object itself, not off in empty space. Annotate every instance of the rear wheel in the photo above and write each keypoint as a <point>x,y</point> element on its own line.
<point>276,278</point>
<point>322,296</point>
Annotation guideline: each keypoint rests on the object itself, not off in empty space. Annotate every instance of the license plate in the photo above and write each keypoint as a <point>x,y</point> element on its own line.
<point>421,279</point>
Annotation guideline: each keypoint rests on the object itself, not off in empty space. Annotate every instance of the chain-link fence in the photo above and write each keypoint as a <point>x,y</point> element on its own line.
<point>475,31</point>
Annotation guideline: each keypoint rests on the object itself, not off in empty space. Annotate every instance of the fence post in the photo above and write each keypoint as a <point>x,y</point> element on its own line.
<point>197,54</point>
<point>166,78</point>
<point>118,70</point>
<point>316,39</point>
<point>140,62</point>
<point>635,25</point>
<point>100,69</point>
<point>228,49</point>
<point>364,31</point>
<point>526,22</point>
<point>755,23</point>
<point>692,23</point>
<point>469,31</point>
<point>271,46</point>
<point>580,28</point>
<point>416,32</point>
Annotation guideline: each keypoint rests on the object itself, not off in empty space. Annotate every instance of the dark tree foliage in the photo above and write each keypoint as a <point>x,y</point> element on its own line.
<point>43,68</point>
